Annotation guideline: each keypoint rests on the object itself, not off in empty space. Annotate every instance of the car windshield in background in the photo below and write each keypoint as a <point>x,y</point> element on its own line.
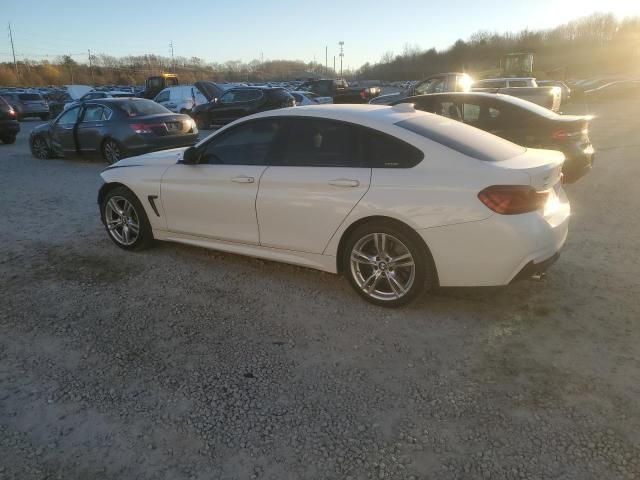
<point>462,138</point>
<point>29,96</point>
<point>142,108</point>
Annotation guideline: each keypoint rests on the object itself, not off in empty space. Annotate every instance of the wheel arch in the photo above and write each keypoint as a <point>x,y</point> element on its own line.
<point>106,188</point>
<point>340,267</point>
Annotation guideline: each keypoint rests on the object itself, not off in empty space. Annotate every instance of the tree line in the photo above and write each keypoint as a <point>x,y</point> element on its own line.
<point>592,46</point>
<point>133,70</point>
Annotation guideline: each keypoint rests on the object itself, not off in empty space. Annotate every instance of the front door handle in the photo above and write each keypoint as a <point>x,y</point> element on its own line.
<point>243,179</point>
<point>344,182</point>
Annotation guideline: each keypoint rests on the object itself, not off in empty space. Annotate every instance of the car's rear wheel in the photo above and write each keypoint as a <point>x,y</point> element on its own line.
<point>125,220</point>
<point>8,139</point>
<point>387,264</point>
<point>111,151</point>
<point>39,148</point>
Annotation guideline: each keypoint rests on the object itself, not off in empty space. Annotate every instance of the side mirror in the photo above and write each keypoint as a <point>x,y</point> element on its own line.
<point>190,156</point>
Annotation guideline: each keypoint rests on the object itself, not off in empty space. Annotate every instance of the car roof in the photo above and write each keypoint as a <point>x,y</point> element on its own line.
<point>374,116</point>
<point>515,101</point>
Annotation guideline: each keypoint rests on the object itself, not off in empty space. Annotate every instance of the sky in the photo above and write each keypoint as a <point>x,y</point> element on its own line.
<point>281,29</point>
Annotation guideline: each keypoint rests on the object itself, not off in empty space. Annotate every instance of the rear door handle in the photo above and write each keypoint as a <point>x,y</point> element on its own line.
<point>344,182</point>
<point>243,179</point>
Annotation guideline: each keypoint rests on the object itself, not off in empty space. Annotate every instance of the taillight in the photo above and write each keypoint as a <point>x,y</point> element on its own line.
<point>363,95</point>
<point>513,199</point>
<point>141,127</point>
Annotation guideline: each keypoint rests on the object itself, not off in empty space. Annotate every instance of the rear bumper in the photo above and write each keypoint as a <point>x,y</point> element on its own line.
<point>496,250</point>
<point>160,143</point>
<point>578,163</point>
<point>9,127</point>
<point>536,268</point>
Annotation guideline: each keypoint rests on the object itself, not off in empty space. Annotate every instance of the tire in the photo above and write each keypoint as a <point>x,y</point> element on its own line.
<point>8,139</point>
<point>369,266</point>
<point>44,117</point>
<point>39,148</point>
<point>121,211</point>
<point>112,151</point>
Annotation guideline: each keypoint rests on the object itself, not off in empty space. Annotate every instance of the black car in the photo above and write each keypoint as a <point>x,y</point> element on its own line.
<point>113,128</point>
<point>239,102</point>
<point>519,121</point>
<point>9,126</point>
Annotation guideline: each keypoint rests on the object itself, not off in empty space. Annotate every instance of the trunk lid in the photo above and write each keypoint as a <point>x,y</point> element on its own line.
<point>543,167</point>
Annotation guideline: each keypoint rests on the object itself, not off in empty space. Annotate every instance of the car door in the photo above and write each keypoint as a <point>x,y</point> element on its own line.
<point>314,181</point>
<point>216,198</point>
<point>63,132</point>
<point>93,126</point>
<point>233,106</point>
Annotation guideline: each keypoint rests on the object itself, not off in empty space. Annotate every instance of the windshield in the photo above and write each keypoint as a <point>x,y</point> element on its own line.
<point>141,108</point>
<point>462,138</point>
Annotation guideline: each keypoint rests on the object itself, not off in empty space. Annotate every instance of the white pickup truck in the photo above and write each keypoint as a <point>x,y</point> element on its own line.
<point>525,88</point>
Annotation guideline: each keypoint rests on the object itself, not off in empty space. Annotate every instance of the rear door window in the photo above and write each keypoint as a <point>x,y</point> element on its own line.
<point>518,83</point>
<point>313,142</point>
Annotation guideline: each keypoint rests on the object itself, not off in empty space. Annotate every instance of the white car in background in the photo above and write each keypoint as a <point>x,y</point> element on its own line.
<point>183,98</point>
<point>304,98</point>
<point>396,199</point>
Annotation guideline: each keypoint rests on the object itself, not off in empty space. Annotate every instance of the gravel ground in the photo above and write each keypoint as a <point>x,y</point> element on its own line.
<point>181,363</point>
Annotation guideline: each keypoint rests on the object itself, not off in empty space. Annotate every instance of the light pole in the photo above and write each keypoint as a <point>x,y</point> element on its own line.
<point>341,43</point>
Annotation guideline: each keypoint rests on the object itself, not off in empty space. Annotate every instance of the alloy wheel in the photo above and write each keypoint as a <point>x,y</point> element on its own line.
<point>112,152</point>
<point>122,221</point>
<point>382,266</point>
<point>40,149</point>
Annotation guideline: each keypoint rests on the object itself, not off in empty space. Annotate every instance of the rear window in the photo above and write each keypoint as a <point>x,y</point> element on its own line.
<point>141,108</point>
<point>279,94</point>
<point>462,138</point>
<point>29,96</point>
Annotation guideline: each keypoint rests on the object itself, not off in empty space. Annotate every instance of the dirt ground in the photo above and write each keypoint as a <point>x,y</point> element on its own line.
<point>181,363</point>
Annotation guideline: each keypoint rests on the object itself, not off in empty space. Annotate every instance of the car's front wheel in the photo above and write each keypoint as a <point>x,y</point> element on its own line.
<point>387,264</point>
<point>39,148</point>
<point>125,220</point>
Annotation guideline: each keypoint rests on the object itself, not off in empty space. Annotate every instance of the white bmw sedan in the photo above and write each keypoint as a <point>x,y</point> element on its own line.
<point>396,199</point>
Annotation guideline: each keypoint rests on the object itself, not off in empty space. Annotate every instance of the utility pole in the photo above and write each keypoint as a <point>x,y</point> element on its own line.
<point>13,51</point>
<point>334,64</point>
<point>326,60</point>
<point>341,43</point>
<point>91,67</point>
<point>173,61</point>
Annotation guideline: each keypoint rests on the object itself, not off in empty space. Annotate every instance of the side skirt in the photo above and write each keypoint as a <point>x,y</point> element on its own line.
<point>326,263</point>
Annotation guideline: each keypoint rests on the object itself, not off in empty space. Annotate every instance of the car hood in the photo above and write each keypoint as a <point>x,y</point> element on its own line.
<point>209,89</point>
<point>77,91</point>
<point>162,157</point>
